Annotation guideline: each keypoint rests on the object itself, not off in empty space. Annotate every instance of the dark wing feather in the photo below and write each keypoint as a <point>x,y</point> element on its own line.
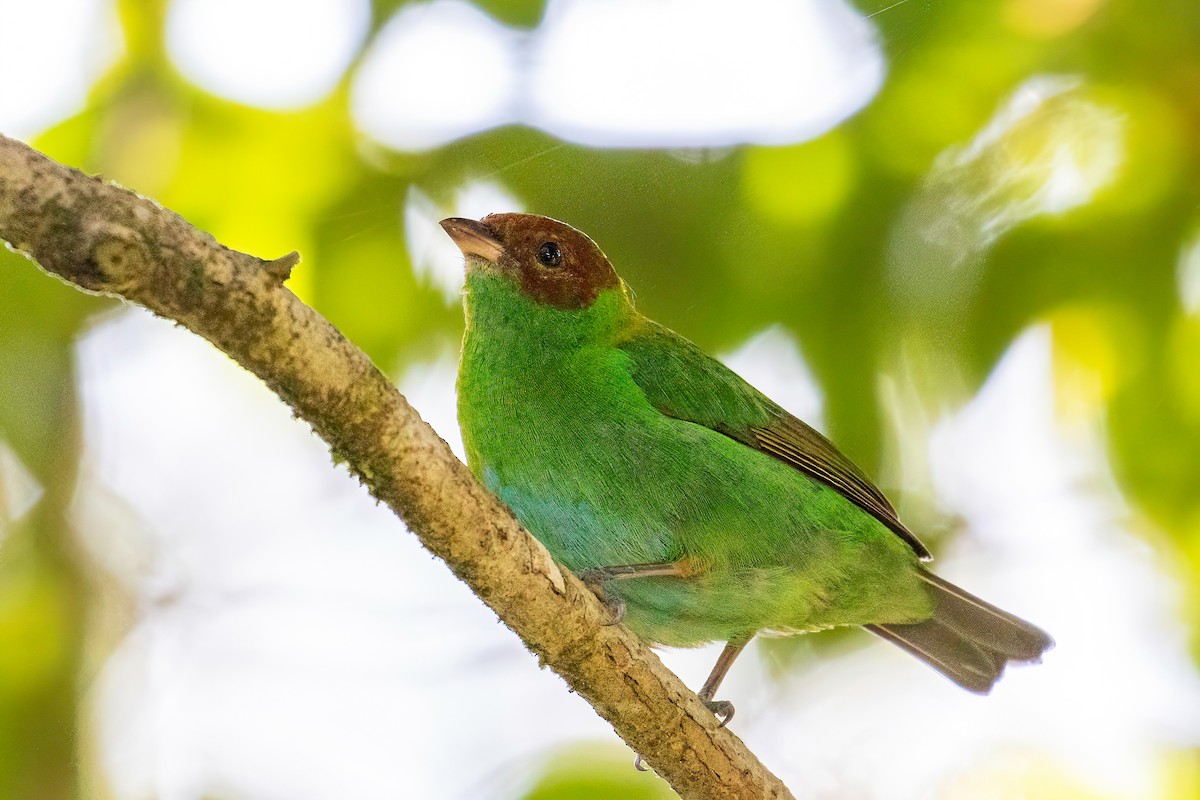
<point>792,441</point>
<point>684,382</point>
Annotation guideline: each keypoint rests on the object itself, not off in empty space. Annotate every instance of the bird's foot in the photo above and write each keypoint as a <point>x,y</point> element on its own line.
<point>721,709</point>
<point>594,579</point>
<point>639,765</point>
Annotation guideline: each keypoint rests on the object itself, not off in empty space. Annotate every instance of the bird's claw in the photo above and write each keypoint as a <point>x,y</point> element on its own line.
<point>638,765</point>
<point>721,709</point>
<point>594,579</point>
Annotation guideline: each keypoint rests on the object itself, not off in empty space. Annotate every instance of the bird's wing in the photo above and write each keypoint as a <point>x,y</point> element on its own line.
<point>684,382</point>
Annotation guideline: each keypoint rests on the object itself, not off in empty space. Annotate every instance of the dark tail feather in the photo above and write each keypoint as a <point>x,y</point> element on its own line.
<point>967,640</point>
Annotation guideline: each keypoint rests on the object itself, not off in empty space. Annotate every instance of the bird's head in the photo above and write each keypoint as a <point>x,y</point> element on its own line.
<point>549,261</point>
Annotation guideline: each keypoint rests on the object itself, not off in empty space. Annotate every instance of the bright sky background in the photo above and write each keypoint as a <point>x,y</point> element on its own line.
<point>268,53</point>
<point>293,642</point>
<point>52,52</point>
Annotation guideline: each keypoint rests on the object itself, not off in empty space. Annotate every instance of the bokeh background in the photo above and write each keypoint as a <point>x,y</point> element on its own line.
<point>960,236</point>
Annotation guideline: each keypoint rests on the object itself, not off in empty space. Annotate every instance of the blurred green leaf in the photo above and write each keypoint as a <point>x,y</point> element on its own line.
<point>596,772</point>
<point>39,319</point>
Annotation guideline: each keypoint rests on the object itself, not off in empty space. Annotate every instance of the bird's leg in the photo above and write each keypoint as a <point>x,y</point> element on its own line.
<point>683,568</point>
<point>656,569</point>
<point>596,578</point>
<point>723,709</point>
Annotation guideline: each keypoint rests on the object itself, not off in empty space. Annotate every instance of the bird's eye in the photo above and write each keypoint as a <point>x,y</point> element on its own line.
<point>549,254</point>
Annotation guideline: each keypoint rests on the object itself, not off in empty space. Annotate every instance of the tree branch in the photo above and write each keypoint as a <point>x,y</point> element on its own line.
<point>109,240</point>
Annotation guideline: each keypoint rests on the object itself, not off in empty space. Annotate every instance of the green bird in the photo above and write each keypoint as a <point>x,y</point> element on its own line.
<point>688,499</point>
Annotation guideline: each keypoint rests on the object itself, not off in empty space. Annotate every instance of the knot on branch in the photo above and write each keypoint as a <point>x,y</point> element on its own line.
<point>113,262</point>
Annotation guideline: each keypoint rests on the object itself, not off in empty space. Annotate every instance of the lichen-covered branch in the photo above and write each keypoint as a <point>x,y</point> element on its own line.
<point>106,239</point>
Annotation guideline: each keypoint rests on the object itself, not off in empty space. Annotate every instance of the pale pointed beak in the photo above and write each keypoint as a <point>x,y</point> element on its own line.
<point>473,238</point>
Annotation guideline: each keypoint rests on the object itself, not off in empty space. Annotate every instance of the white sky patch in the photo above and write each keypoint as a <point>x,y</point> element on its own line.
<point>436,72</point>
<point>621,73</point>
<point>433,254</point>
<point>53,51</point>
<point>429,386</point>
<point>1188,274</point>
<point>771,362</point>
<point>693,73</point>
<point>276,54</point>
<point>19,490</point>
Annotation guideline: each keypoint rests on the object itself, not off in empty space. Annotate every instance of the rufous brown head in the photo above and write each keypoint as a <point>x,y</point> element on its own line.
<point>552,262</point>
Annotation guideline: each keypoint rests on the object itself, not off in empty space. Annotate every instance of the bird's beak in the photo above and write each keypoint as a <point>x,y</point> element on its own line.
<point>473,238</point>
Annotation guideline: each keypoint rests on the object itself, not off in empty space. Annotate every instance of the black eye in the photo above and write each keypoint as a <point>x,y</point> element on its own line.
<point>549,254</point>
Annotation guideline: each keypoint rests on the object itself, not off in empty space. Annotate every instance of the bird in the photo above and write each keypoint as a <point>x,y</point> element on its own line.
<point>695,506</point>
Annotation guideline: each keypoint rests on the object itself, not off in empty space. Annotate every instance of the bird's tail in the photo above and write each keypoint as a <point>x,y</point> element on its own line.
<point>967,640</point>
